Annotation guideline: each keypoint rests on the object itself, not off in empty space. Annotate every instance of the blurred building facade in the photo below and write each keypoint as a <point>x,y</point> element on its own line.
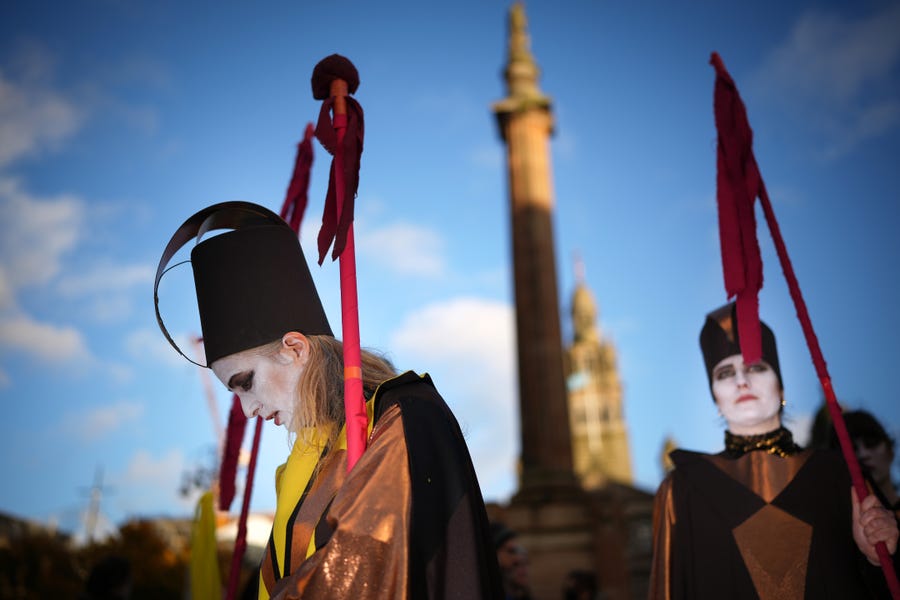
<point>600,450</point>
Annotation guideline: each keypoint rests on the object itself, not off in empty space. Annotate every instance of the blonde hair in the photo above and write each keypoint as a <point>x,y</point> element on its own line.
<point>320,392</point>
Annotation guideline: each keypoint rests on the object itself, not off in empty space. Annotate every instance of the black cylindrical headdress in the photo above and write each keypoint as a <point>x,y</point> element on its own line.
<point>719,339</point>
<point>253,284</point>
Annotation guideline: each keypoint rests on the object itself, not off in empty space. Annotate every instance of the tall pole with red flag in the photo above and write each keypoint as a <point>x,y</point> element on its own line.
<point>738,184</point>
<point>340,131</point>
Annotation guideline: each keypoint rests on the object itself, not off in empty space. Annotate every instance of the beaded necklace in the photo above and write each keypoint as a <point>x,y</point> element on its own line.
<point>779,442</point>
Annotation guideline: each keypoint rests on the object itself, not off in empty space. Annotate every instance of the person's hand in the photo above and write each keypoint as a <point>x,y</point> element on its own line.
<point>873,523</point>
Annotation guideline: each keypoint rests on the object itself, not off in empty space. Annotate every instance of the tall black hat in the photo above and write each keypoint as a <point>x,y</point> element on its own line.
<point>253,284</point>
<point>719,339</point>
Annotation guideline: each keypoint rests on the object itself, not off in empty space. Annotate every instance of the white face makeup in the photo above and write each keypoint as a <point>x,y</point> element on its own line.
<point>749,397</point>
<point>265,384</point>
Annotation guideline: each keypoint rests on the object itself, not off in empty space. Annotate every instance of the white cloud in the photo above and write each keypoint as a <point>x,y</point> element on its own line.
<point>840,74</point>
<point>38,237</point>
<point>831,57</point>
<point>468,346</point>
<point>42,340</point>
<point>35,234</point>
<point>145,469</point>
<point>119,372</point>
<point>7,298</point>
<point>150,482</point>
<point>106,278</point>
<point>150,344</point>
<point>109,288</point>
<point>406,249</point>
<point>110,308</point>
<point>33,116</point>
<point>469,329</point>
<point>94,424</point>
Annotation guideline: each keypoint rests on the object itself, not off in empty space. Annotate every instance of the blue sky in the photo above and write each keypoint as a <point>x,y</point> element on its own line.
<point>120,118</point>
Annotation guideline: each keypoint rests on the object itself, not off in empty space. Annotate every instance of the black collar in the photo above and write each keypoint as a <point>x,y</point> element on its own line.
<point>779,442</point>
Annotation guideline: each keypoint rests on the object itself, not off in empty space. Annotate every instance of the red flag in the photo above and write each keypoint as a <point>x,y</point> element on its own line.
<point>336,220</point>
<point>738,183</point>
<point>234,436</point>
<point>340,130</point>
<point>296,198</point>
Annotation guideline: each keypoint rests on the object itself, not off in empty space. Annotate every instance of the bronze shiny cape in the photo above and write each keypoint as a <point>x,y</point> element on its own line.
<point>759,526</point>
<point>409,520</point>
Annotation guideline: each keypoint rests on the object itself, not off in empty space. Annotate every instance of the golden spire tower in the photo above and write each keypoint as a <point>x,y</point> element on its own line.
<point>599,436</point>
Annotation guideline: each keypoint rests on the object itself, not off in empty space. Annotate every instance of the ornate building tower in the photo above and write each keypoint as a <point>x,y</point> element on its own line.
<point>526,123</point>
<point>599,437</point>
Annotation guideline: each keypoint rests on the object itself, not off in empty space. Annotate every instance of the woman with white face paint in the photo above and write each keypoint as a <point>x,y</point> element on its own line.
<point>764,518</point>
<point>383,530</point>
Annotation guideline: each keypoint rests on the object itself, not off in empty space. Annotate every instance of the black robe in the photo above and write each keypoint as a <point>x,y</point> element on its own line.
<point>759,526</point>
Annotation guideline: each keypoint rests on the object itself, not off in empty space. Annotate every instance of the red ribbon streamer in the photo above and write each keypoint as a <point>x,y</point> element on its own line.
<point>345,144</point>
<point>737,185</point>
<point>234,436</point>
<point>297,193</point>
<point>739,174</point>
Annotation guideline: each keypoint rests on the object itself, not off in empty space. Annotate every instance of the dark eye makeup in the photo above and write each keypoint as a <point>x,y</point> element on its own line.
<point>724,373</point>
<point>242,381</point>
<point>729,371</point>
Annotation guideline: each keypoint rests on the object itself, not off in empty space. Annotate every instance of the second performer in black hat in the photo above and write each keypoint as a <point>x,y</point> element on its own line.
<point>763,518</point>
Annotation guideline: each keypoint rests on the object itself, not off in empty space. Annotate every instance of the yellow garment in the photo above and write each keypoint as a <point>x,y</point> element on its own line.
<point>205,581</point>
<point>292,478</point>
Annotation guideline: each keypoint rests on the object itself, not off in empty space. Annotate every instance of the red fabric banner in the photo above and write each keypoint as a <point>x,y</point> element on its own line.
<point>297,193</point>
<point>234,437</point>
<point>336,220</point>
<point>737,186</point>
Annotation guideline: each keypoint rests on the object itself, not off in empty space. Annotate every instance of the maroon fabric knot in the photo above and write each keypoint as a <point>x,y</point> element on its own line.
<point>331,68</point>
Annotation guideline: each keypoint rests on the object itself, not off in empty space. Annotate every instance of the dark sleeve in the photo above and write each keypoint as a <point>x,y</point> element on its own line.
<point>452,555</point>
<point>872,576</point>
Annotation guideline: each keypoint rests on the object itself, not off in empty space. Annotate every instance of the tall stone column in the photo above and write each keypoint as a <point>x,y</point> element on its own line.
<point>562,526</point>
<point>525,121</point>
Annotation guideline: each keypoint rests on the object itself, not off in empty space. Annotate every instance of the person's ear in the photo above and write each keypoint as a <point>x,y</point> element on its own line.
<point>295,346</point>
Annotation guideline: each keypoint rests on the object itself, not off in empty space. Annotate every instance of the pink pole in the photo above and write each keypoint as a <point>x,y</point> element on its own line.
<point>834,408</point>
<point>354,404</point>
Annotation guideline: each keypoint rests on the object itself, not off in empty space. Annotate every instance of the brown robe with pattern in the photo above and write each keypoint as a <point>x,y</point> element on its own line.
<point>759,526</point>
